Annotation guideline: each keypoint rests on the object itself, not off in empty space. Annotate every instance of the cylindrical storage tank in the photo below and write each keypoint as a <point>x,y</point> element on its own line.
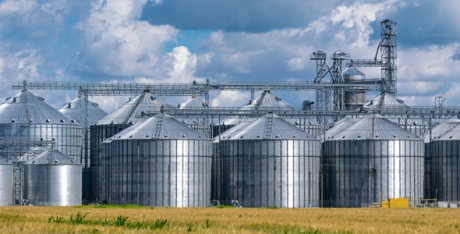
<point>434,133</point>
<point>6,182</point>
<point>130,113</point>
<point>268,102</point>
<point>217,163</point>
<point>52,179</point>
<point>371,160</point>
<point>86,113</point>
<point>270,163</point>
<point>26,118</point>
<point>200,124</point>
<point>159,162</point>
<point>445,165</point>
<point>354,99</point>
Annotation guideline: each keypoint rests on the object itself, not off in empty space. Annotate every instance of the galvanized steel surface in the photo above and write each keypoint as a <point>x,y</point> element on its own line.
<point>372,157</point>
<point>94,188</point>
<point>128,114</point>
<point>373,127</point>
<point>6,182</point>
<point>76,110</point>
<point>430,187</point>
<point>200,124</point>
<point>269,162</point>
<point>354,99</point>
<point>445,165</point>
<point>27,118</point>
<point>385,100</point>
<point>131,112</point>
<point>171,167</point>
<point>52,179</point>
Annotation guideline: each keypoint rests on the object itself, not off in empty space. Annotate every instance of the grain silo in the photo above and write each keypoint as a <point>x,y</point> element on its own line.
<point>130,113</point>
<point>267,101</point>
<point>159,162</point>
<point>198,123</point>
<point>445,165</point>
<point>370,160</point>
<point>85,113</point>
<point>26,118</point>
<point>216,175</point>
<point>434,133</point>
<point>415,124</point>
<point>354,99</point>
<point>270,162</point>
<point>52,179</point>
<point>6,182</point>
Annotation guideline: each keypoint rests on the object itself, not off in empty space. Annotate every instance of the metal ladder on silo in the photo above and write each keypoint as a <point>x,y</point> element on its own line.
<point>268,126</point>
<point>18,169</point>
<point>158,127</point>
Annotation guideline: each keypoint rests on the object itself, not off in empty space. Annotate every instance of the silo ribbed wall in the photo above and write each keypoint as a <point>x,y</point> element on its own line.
<point>6,184</point>
<point>99,170</point>
<point>52,185</point>
<point>67,137</point>
<point>445,169</point>
<point>216,175</point>
<point>151,172</point>
<point>358,171</point>
<point>263,173</point>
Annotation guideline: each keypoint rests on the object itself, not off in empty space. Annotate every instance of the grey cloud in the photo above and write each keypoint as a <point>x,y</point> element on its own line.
<point>237,15</point>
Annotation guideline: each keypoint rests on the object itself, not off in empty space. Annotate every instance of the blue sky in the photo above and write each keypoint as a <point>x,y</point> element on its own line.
<point>177,41</point>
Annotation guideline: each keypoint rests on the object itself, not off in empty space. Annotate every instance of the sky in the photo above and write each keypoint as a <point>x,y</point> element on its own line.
<point>178,41</point>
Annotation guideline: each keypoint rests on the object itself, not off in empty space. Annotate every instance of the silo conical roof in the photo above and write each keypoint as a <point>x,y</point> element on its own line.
<point>76,110</point>
<point>193,103</point>
<point>25,107</point>
<point>230,131</point>
<point>442,128</point>
<point>266,100</point>
<point>161,126</point>
<point>453,135</point>
<point>385,100</point>
<point>340,126</point>
<point>131,111</point>
<point>270,126</point>
<point>52,156</point>
<point>352,71</point>
<point>374,127</point>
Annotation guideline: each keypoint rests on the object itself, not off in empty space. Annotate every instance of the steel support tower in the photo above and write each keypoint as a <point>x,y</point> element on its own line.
<point>388,59</point>
<point>329,97</point>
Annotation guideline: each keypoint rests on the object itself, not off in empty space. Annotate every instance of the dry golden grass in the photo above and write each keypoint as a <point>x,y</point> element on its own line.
<point>230,220</point>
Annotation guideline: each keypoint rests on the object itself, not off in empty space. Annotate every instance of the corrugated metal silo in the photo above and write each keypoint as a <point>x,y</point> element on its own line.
<point>128,114</point>
<point>370,159</point>
<point>267,101</point>
<point>416,125</point>
<point>445,151</point>
<point>159,162</point>
<point>354,99</point>
<point>270,162</point>
<point>26,118</point>
<point>86,113</point>
<point>197,123</point>
<point>6,182</point>
<point>429,136</point>
<point>217,167</point>
<point>52,179</point>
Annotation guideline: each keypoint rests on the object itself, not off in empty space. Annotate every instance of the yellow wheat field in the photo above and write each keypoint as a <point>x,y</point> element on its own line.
<point>88,219</point>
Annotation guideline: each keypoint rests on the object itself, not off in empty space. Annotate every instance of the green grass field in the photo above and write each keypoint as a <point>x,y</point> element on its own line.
<point>134,219</point>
